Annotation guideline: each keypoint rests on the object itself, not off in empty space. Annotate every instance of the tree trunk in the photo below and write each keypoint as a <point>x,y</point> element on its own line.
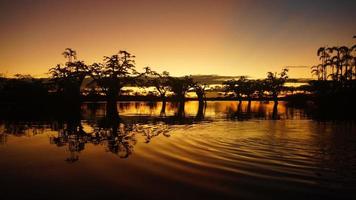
<point>164,102</point>
<point>181,108</point>
<point>201,99</point>
<point>275,98</point>
<point>200,113</point>
<point>249,105</point>
<point>111,109</point>
<point>239,107</point>
<point>111,106</point>
<point>275,111</point>
<point>71,102</point>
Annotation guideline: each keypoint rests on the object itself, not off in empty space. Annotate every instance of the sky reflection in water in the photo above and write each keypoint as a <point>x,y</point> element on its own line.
<point>218,152</point>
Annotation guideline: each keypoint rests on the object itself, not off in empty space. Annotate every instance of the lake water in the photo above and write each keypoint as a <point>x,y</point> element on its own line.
<point>216,152</point>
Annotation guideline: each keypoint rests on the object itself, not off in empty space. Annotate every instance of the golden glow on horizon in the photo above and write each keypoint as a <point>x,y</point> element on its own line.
<point>190,37</point>
<point>213,109</point>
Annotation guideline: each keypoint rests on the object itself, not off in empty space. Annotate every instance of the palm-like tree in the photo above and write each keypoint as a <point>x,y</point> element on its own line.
<point>323,55</point>
<point>339,58</point>
<point>317,71</point>
<point>329,63</point>
<point>336,61</point>
<point>346,61</point>
<point>353,60</point>
<point>70,54</point>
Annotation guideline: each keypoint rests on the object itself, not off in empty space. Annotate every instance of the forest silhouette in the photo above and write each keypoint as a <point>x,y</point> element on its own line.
<point>74,82</point>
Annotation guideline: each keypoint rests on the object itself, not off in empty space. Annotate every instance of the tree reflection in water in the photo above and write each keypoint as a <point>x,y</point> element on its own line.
<point>245,112</point>
<point>71,134</point>
<point>119,136</point>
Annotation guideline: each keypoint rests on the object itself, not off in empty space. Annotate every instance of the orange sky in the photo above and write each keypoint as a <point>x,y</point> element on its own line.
<point>224,37</point>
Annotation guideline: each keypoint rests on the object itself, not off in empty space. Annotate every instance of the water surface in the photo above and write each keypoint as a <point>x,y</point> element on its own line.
<point>221,151</point>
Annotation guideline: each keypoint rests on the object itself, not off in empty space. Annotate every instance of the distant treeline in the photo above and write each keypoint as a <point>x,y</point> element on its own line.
<point>117,71</point>
<point>68,84</point>
<point>109,77</point>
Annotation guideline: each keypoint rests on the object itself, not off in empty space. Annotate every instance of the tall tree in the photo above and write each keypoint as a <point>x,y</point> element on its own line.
<point>238,87</point>
<point>323,55</point>
<point>260,88</point>
<point>180,86</point>
<point>200,91</point>
<point>69,78</point>
<point>275,82</point>
<point>116,72</point>
<point>317,71</point>
<point>160,82</point>
<point>353,61</point>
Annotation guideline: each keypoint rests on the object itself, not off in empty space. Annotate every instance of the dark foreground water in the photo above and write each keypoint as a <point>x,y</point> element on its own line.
<point>218,152</point>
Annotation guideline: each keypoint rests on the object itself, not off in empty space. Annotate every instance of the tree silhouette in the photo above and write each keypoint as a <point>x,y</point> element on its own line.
<point>346,62</point>
<point>70,54</point>
<point>248,88</point>
<point>324,56</point>
<point>69,78</point>
<point>199,90</point>
<point>275,112</point>
<point>339,84</point>
<point>260,87</point>
<point>274,83</point>
<point>337,64</point>
<point>244,87</point>
<point>2,81</point>
<point>317,71</point>
<point>201,95</point>
<point>116,72</point>
<point>353,61</point>
<point>71,134</point>
<point>160,82</point>
<point>23,88</point>
<point>180,86</point>
<point>117,135</point>
<point>235,87</point>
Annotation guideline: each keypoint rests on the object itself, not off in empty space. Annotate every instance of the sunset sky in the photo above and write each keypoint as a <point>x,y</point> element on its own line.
<point>224,37</point>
